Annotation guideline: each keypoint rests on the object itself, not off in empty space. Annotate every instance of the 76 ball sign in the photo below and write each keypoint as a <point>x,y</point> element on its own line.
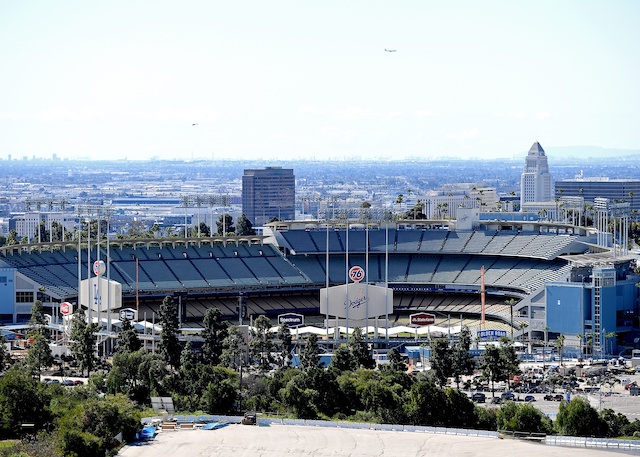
<point>66,308</point>
<point>356,273</point>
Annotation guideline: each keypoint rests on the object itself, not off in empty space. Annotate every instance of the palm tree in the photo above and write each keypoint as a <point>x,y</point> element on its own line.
<point>510,302</point>
<point>523,326</point>
<point>560,346</point>
<point>581,338</point>
<point>399,201</point>
<point>607,337</point>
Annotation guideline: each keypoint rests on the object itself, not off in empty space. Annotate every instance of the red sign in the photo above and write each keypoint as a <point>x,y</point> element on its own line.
<point>65,308</point>
<point>356,273</point>
<point>422,319</point>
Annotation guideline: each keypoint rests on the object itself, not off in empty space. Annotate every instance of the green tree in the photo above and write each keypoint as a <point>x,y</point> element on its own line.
<point>83,341</point>
<point>169,347</point>
<point>39,355</point>
<point>220,395</point>
<point>441,360</point>
<point>499,363</point>
<point>517,417</point>
<point>128,340</point>
<point>300,398</point>
<point>492,365</point>
<point>396,362</point>
<point>90,427</point>
<point>12,238</point>
<point>126,377</point>
<point>225,224</point>
<point>22,399</point>
<point>284,345</point>
<point>616,422</point>
<point>462,362</point>
<point>426,404</point>
<point>244,227</point>
<point>343,359</point>
<point>360,349</point>
<point>261,343</point>
<point>4,354</point>
<point>310,356</point>
<point>233,348</point>
<point>205,230</point>
<point>578,418</point>
<point>214,332</point>
<point>38,319</point>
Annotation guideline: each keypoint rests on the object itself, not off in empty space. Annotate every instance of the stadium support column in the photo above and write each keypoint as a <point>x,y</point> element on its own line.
<point>242,308</point>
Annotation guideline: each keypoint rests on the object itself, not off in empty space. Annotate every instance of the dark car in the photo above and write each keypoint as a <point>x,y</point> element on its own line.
<point>558,397</point>
<point>68,382</point>
<point>478,397</point>
<point>548,397</point>
<point>78,382</point>
<point>495,400</point>
<point>508,396</point>
<point>529,398</point>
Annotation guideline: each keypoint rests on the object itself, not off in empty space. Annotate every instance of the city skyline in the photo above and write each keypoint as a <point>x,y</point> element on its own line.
<point>212,80</point>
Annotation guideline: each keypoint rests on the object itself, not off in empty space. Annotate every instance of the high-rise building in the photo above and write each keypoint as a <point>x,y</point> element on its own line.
<point>616,190</point>
<point>267,193</point>
<point>535,182</point>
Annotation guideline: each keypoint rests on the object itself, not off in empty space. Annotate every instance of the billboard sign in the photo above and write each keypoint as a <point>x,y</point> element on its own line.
<point>422,319</point>
<point>491,334</point>
<point>128,314</point>
<point>291,319</point>
<point>356,301</point>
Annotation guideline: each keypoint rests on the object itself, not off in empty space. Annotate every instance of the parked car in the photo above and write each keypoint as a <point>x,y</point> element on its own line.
<point>558,397</point>
<point>78,382</point>
<point>68,382</point>
<point>529,398</point>
<point>479,397</point>
<point>507,396</point>
<point>495,400</point>
<point>548,397</point>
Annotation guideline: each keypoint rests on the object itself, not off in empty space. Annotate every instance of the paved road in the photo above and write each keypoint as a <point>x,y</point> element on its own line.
<point>283,440</point>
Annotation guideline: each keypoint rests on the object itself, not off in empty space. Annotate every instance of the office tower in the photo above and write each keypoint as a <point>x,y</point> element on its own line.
<point>616,190</point>
<point>535,181</point>
<point>267,193</point>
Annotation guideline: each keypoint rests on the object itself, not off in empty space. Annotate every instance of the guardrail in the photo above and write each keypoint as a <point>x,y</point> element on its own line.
<point>600,443</point>
<point>332,424</point>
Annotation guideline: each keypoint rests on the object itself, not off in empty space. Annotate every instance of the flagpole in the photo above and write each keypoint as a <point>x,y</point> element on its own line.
<point>346,261</point>
<point>326,281</point>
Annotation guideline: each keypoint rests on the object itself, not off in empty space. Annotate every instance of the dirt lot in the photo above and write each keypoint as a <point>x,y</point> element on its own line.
<point>281,440</point>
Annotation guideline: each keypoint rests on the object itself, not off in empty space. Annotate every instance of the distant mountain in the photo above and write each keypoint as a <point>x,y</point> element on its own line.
<point>569,152</point>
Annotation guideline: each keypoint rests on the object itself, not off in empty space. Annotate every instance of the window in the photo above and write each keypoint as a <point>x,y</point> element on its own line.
<point>24,297</point>
<point>3,279</point>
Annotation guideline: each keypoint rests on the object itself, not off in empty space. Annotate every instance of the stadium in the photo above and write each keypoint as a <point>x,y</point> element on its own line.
<point>429,265</point>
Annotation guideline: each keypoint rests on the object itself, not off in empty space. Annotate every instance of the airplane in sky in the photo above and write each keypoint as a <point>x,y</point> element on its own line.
<point>390,50</point>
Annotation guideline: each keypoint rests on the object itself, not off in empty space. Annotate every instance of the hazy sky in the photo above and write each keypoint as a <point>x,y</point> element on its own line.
<point>311,79</point>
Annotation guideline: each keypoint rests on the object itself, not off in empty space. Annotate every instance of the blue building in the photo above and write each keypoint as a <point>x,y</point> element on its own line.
<point>598,305</point>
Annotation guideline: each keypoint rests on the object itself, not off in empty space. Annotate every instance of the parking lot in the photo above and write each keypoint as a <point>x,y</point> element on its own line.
<point>614,397</point>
